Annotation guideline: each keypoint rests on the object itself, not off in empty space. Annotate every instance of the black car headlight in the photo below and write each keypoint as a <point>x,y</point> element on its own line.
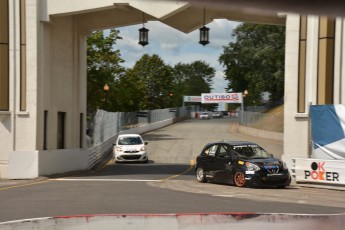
<point>252,167</point>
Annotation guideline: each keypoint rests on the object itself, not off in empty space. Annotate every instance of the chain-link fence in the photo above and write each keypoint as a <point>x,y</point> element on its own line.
<point>107,124</point>
<point>257,120</point>
<point>247,118</point>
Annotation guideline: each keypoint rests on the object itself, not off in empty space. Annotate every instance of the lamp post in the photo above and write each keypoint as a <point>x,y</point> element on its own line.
<point>245,93</point>
<point>106,89</point>
<point>171,94</point>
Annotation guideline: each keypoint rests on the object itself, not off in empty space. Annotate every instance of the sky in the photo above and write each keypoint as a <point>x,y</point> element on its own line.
<point>174,46</point>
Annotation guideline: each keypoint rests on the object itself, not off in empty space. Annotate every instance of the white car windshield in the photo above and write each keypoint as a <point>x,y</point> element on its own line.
<point>130,141</point>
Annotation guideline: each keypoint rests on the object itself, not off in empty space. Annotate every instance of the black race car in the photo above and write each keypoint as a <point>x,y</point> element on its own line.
<point>240,163</point>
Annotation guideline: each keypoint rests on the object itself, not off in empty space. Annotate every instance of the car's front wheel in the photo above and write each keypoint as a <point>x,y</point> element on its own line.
<point>239,179</point>
<point>200,175</point>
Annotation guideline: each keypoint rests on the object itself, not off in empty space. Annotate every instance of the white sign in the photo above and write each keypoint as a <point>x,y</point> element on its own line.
<point>320,171</point>
<point>192,98</point>
<point>221,97</point>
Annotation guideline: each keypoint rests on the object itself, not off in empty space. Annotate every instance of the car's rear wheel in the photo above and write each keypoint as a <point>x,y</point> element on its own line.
<point>239,179</point>
<point>200,175</point>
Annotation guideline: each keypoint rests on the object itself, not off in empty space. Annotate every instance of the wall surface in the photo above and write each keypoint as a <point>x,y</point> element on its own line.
<point>295,125</point>
<point>56,82</point>
<point>18,128</point>
<point>297,133</point>
<point>274,136</point>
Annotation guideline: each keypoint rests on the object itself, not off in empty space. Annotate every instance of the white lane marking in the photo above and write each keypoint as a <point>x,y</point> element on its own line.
<point>239,194</point>
<point>302,202</point>
<point>191,166</point>
<point>224,195</point>
<point>110,180</point>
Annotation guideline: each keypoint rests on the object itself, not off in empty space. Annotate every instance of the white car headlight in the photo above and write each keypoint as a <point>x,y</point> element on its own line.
<point>284,165</point>
<point>252,167</point>
<point>142,148</point>
<point>118,149</point>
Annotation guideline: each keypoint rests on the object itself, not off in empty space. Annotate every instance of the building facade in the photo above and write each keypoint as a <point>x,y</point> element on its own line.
<point>314,75</point>
<point>43,73</point>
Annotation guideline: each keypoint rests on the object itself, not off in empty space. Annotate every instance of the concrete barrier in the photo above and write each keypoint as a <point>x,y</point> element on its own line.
<point>319,171</point>
<point>207,221</point>
<point>269,135</point>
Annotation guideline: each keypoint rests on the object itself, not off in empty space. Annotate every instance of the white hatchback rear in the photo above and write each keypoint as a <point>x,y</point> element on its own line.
<point>129,148</point>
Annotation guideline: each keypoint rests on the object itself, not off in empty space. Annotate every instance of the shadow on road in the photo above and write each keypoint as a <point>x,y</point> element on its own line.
<point>159,137</point>
<point>148,170</point>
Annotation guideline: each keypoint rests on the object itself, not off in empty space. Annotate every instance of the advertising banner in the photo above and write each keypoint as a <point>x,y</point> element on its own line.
<point>221,97</point>
<point>191,98</point>
<point>320,171</point>
<point>328,131</point>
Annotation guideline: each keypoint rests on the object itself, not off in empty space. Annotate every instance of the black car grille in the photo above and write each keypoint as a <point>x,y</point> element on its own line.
<point>272,169</point>
<point>131,157</point>
<point>134,151</point>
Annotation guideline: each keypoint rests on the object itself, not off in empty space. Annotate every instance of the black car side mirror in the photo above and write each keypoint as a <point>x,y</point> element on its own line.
<point>146,143</point>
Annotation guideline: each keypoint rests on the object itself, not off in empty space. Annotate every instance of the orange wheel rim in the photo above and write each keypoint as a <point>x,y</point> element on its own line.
<point>239,179</point>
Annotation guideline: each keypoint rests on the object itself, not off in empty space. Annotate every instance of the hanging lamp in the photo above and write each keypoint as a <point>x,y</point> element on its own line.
<point>204,33</point>
<point>143,34</point>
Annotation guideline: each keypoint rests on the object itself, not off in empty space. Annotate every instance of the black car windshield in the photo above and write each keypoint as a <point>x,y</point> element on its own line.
<point>130,141</point>
<point>250,151</point>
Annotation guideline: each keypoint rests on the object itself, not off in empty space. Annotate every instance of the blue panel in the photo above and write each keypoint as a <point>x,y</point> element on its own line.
<point>325,125</point>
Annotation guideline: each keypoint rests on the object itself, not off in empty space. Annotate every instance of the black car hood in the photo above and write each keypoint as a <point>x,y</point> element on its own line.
<point>263,161</point>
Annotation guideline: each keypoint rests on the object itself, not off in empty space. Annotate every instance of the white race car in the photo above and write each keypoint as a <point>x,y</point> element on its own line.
<point>129,148</point>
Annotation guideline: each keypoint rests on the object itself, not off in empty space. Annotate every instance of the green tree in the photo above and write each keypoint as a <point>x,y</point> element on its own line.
<point>192,79</point>
<point>103,67</point>
<point>154,82</point>
<point>255,61</point>
<point>130,92</point>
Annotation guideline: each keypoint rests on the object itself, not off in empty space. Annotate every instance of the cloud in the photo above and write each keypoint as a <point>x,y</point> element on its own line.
<point>219,82</point>
<point>174,46</point>
<point>171,47</point>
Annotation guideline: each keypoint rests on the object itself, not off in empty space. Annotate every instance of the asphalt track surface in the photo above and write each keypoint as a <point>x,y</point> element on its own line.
<point>166,184</point>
